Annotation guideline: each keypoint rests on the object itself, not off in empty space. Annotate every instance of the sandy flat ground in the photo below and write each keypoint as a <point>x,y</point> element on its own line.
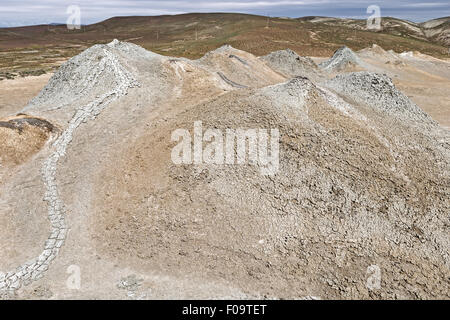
<point>16,93</point>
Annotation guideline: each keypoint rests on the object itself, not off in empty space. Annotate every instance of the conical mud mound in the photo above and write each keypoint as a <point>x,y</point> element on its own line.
<point>290,64</point>
<point>343,59</point>
<point>378,91</point>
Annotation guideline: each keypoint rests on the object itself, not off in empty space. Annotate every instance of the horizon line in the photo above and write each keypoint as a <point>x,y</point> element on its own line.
<point>206,13</point>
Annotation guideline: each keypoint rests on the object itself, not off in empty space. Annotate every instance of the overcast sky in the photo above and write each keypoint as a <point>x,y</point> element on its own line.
<point>28,12</point>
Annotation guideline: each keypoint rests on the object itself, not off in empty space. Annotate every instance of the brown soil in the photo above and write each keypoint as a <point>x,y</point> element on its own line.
<point>22,137</point>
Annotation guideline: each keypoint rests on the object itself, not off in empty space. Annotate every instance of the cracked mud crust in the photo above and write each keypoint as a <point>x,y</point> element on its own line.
<point>362,186</point>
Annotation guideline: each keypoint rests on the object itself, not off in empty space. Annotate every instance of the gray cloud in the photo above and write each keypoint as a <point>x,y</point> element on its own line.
<point>27,12</point>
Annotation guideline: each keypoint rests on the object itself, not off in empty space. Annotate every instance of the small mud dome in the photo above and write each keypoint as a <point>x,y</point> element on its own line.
<point>290,64</point>
<point>22,137</point>
<point>344,59</point>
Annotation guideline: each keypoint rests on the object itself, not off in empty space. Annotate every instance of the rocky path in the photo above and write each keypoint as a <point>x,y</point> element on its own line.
<point>34,269</point>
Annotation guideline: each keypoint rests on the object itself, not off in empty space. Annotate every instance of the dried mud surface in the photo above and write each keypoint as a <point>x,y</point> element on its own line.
<point>363,180</point>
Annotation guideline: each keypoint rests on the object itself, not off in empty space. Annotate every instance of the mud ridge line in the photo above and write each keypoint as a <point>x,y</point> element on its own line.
<point>231,83</point>
<point>35,268</point>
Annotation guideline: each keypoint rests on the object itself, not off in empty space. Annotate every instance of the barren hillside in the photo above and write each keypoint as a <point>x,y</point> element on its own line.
<point>33,50</point>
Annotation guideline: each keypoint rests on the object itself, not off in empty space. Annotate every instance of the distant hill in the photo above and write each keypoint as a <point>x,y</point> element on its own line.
<point>192,35</point>
<point>437,30</point>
